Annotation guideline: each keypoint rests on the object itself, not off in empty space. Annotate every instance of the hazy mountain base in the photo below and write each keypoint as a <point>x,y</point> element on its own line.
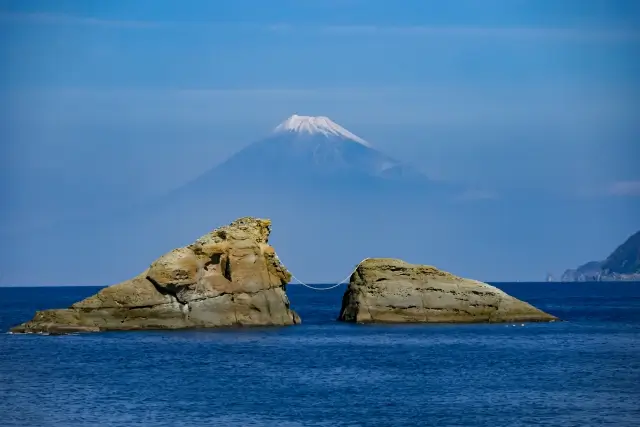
<point>316,231</point>
<point>323,232</point>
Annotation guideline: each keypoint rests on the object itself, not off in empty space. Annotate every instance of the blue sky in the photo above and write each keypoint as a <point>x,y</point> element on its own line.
<point>504,96</point>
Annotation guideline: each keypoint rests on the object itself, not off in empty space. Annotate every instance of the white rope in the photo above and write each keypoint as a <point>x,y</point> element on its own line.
<point>330,287</point>
<point>321,289</point>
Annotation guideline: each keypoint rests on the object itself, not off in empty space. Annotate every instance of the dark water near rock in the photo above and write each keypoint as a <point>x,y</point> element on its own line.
<point>583,372</point>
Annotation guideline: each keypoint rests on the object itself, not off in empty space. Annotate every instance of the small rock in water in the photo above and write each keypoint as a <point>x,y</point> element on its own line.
<point>386,290</point>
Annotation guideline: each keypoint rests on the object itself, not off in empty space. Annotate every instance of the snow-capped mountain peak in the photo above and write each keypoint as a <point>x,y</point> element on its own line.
<point>315,125</point>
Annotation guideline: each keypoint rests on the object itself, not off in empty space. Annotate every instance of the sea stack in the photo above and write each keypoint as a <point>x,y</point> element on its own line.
<point>385,290</point>
<point>229,277</point>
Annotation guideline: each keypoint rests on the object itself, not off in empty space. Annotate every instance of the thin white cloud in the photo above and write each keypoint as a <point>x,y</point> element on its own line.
<point>603,34</point>
<point>628,188</point>
<point>537,33</point>
<point>65,19</point>
<point>625,188</point>
<point>477,195</point>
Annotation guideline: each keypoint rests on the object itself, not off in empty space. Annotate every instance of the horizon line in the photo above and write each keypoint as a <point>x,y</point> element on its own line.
<point>491,282</point>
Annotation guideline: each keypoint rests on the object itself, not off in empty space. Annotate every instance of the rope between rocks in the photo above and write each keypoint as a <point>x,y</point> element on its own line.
<point>328,288</point>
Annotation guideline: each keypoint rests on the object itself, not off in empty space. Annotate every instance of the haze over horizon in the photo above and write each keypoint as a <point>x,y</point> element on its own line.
<point>107,105</point>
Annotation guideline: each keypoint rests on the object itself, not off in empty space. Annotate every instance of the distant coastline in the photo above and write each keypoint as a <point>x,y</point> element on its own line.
<point>623,265</point>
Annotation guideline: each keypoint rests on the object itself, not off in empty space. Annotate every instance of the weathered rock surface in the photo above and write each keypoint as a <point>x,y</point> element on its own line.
<point>229,277</point>
<point>385,290</point>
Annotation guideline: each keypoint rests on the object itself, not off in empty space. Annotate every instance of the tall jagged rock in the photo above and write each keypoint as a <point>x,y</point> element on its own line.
<point>229,277</point>
<point>385,290</point>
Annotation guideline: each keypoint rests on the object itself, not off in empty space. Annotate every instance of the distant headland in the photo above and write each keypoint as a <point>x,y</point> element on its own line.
<point>622,265</point>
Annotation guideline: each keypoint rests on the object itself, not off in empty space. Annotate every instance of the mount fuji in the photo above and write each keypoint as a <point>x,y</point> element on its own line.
<point>306,153</point>
<point>320,146</point>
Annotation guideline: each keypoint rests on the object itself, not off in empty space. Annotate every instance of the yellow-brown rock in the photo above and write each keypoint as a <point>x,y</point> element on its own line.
<point>229,277</point>
<point>386,290</point>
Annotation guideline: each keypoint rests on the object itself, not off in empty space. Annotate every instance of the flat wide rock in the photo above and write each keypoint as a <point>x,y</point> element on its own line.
<point>229,277</point>
<point>386,290</point>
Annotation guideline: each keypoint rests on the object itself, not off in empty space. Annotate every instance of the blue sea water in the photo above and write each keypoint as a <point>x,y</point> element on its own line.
<point>584,371</point>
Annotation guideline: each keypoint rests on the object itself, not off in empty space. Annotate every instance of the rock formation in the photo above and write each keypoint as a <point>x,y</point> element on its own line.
<point>229,277</point>
<point>386,290</point>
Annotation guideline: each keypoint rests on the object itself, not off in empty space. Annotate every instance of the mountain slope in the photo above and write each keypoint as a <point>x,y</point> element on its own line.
<point>622,264</point>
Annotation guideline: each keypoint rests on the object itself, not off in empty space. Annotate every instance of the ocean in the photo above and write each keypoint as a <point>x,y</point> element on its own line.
<point>584,371</point>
